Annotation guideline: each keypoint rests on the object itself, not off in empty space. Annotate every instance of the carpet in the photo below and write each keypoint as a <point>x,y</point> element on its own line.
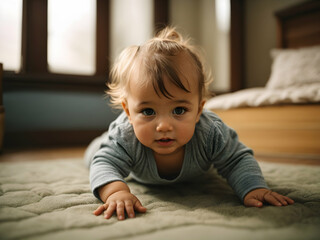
<point>52,200</point>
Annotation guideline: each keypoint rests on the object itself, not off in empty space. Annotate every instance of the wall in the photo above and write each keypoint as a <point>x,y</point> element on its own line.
<point>31,110</point>
<point>260,38</point>
<point>133,29</point>
<point>198,20</point>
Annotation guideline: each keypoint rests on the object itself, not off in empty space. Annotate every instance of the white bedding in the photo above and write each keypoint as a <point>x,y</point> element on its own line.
<point>255,97</point>
<point>294,79</point>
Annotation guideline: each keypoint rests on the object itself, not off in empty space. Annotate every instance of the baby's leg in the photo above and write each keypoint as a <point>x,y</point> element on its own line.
<point>93,147</point>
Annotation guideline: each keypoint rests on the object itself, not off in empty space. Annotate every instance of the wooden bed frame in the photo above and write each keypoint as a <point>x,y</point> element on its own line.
<point>284,131</point>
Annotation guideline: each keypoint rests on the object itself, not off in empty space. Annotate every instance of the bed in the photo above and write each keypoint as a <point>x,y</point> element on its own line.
<point>283,119</point>
<point>51,199</point>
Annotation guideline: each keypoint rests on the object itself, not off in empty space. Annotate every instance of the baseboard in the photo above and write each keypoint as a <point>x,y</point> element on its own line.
<point>49,138</point>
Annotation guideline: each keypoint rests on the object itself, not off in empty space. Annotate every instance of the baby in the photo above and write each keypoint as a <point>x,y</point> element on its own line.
<point>164,134</point>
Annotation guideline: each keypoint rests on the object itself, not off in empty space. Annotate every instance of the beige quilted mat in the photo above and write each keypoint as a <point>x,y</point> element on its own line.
<point>52,200</point>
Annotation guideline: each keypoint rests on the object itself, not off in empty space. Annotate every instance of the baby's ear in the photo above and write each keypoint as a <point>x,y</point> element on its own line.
<point>201,104</point>
<point>126,109</point>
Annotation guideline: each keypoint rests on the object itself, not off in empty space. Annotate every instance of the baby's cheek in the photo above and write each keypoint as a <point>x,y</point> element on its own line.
<point>144,135</point>
<point>186,133</point>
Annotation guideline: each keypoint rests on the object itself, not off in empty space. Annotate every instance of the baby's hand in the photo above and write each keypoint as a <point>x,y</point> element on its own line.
<point>257,197</point>
<point>119,202</point>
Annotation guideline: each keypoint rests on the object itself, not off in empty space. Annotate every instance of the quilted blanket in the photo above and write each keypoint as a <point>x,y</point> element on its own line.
<point>52,200</point>
<point>257,97</point>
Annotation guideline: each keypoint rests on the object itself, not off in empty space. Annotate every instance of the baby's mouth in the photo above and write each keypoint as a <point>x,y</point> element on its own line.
<point>165,141</point>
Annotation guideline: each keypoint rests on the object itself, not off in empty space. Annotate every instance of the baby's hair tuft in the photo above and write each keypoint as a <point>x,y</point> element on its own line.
<point>154,60</point>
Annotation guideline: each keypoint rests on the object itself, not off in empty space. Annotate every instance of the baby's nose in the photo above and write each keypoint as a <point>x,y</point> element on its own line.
<point>164,126</point>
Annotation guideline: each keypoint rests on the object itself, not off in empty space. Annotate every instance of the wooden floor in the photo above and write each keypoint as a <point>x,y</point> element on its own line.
<point>19,155</point>
<point>42,154</point>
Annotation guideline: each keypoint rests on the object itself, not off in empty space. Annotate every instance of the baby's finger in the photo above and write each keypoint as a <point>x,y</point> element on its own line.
<point>129,209</point>
<point>285,200</point>
<point>110,210</point>
<point>289,200</point>
<point>120,210</point>
<point>99,210</point>
<point>271,199</point>
<point>253,203</point>
<point>138,207</point>
<point>280,198</point>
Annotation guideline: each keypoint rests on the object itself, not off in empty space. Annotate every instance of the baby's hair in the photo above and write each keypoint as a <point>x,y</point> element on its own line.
<point>156,59</point>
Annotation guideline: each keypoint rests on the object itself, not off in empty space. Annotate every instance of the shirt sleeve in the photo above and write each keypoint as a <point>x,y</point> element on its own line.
<point>111,163</point>
<point>234,161</point>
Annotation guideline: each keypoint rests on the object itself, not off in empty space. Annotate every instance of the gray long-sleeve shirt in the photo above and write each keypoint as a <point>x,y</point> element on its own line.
<point>213,143</point>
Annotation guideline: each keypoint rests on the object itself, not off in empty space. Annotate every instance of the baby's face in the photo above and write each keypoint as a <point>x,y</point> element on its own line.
<point>162,124</point>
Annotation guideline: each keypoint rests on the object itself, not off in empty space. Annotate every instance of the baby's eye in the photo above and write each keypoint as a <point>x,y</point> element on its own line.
<point>179,110</point>
<point>148,112</point>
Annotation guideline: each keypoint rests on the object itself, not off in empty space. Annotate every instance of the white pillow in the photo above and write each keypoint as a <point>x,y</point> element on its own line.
<point>294,67</point>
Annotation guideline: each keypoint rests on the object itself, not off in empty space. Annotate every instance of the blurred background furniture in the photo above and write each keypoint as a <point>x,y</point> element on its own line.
<point>1,109</point>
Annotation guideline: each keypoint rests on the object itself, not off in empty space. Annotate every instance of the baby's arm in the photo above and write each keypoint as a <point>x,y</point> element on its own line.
<point>235,162</point>
<point>118,198</point>
<point>257,197</point>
